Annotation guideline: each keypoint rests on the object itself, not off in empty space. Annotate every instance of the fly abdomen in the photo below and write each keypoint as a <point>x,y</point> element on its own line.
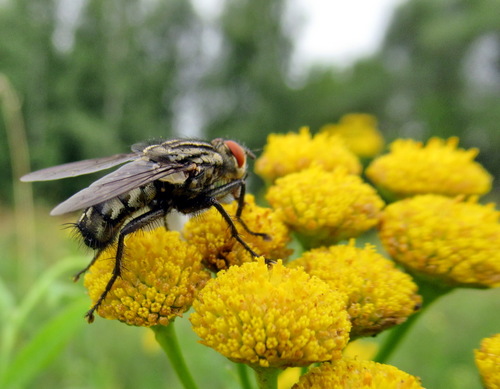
<point>100,223</point>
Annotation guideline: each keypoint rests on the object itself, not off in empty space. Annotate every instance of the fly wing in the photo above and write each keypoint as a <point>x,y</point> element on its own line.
<point>78,168</point>
<point>122,180</point>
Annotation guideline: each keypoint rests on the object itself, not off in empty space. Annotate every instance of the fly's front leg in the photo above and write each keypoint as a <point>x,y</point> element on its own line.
<point>135,224</point>
<point>239,210</point>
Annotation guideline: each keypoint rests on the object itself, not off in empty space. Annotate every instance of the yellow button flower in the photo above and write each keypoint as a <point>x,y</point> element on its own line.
<point>445,239</point>
<point>285,154</point>
<point>211,235</point>
<point>360,133</point>
<point>161,274</point>
<point>353,374</point>
<point>271,316</point>
<point>488,361</point>
<point>379,295</point>
<point>325,207</point>
<point>439,167</point>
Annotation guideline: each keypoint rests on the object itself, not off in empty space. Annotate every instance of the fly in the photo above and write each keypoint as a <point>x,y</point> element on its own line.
<point>185,175</point>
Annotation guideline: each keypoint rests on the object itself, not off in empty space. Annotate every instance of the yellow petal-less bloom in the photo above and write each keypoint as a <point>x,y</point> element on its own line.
<point>350,374</point>
<point>325,207</point>
<point>379,295</point>
<point>271,317</point>
<point>160,277</point>
<point>293,152</point>
<point>438,167</point>
<point>488,361</point>
<point>359,132</point>
<point>448,240</point>
<point>211,235</point>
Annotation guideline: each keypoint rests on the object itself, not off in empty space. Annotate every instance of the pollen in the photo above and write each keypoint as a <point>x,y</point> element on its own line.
<point>351,373</point>
<point>439,167</point>
<point>359,132</point>
<point>210,233</point>
<point>293,152</point>
<point>379,295</point>
<point>488,361</point>
<point>448,239</point>
<point>325,207</point>
<point>161,275</point>
<point>271,316</point>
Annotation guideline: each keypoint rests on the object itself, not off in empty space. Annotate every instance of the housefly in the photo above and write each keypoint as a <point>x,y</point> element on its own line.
<point>185,175</point>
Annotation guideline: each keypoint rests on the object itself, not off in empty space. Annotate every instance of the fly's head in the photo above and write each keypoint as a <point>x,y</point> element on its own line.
<point>234,156</point>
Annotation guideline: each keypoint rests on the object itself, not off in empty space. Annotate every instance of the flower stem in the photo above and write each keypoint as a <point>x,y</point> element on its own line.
<point>243,374</point>
<point>267,377</point>
<point>430,292</point>
<point>167,338</point>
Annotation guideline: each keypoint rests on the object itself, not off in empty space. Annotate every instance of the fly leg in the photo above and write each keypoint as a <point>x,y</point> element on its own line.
<point>77,276</point>
<point>133,225</point>
<point>239,210</point>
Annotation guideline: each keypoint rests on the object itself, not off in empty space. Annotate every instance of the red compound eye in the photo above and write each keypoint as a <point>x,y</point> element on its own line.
<point>237,151</point>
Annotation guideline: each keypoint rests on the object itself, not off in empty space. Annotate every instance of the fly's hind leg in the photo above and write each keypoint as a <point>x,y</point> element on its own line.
<point>133,225</point>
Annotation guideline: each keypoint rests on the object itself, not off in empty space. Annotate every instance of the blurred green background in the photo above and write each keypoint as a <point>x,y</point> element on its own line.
<point>122,71</point>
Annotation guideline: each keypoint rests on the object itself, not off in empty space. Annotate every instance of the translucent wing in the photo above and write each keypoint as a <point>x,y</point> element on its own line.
<point>122,180</point>
<point>78,168</point>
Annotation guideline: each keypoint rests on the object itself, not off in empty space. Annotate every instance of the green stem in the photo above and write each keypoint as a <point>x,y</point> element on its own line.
<point>430,292</point>
<point>267,377</point>
<point>166,337</point>
<point>244,377</point>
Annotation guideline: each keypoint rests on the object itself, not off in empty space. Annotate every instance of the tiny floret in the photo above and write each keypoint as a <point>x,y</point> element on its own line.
<point>359,132</point>
<point>325,207</point>
<point>271,316</point>
<point>438,167</point>
<point>379,295</point>
<point>293,152</point>
<point>452,241</point>
<point>351,373</point>
<point>211,235</point>
<point>488,361</point>
<point>161,275</point>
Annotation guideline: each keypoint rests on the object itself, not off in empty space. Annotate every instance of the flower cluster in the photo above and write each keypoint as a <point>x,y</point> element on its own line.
<point>438,167</point>
<point>488,361</point>
<point>379,295</point>
<point>350,373</point>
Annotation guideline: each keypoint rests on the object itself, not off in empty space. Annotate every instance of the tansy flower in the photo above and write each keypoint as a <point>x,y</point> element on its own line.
<point>271,316</point>
<point>359,132</point>
<point>379,295</point>
<point>350,374</point>
<point>161,275</point>
<point>488,361</point>
<point>445,239</point>
<point>293,152</point>
<point>325,207</point>
<point>210,233</point>
<point>439,167</point>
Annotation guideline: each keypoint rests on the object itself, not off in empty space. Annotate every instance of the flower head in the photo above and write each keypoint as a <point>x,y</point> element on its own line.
<point>161,274</point>
<point>219,249</point>
<point>440,238</point>
<point>325,207</point>
<point>379,295</point>
<point>293,152</point>
<point>359,132</point>
<point>271,317</point>
<point>438,167</point>
<point>350,373</point>
<point>488,361</point>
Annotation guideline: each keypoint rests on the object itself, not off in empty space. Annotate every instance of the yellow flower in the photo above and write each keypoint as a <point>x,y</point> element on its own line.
<point>439,167</point>
<point>161,275</point>
<point>488,362</point>
<point>350,374</point>
<point>445,239</point>
<point>359,132</point>
<point>325,207</point>
<point>293,152</point>
<point>210,233</point>
<point>271,317</point>
<point>379,295</point>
